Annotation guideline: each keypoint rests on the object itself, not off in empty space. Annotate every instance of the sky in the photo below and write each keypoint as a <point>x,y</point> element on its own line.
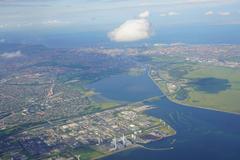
<point>120,20</point>
<point>105,14</point>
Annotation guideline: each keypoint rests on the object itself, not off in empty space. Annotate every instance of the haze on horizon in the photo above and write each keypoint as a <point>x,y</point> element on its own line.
<point>105,15</point>
<point>71,23</point>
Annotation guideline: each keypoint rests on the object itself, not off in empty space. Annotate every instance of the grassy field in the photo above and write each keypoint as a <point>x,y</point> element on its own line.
<point>172,70</point>
<point>87,153</point>
<point>107,105</point>
<point>227,100</point>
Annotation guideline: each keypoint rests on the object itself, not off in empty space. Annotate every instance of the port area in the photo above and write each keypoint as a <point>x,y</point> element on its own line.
<point>115,130</point>
<point>91,136</point>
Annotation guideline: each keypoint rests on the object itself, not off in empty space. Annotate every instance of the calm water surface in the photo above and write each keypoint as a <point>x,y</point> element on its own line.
<point>126,88</point>
<point>201,134</point>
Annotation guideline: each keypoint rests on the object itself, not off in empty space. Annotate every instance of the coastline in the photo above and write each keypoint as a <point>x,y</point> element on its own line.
<point>201,107</point>
<point>132,147</point>
<point>135,146</point>
<point>189,105</point>
<point>117,151</point>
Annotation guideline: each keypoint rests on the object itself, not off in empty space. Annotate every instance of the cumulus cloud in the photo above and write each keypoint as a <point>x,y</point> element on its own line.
<point>224,13</point>
<point>132,30</point>
<point>209,13</point>
<point>9,55</point>
<point>144,14</point>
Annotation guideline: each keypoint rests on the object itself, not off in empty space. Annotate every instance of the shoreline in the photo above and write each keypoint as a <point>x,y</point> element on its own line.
<point>136,146</point>
<point>201,107</point>
<point>132,147</point>
<point>114,152</point>
<point>189,105</point>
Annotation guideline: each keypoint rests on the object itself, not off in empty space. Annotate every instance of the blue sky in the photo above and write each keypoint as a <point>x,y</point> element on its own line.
<point>96,15</point>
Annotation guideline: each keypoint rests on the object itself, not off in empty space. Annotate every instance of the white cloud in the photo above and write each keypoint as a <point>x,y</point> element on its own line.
<point>54,22</point>
<point>9,55</point>
<point>172,13</point>
<point>145,14</point>
<point>132,30</point>
<point>169,14</point>
<point>224,13</point>
<point>209,13</point>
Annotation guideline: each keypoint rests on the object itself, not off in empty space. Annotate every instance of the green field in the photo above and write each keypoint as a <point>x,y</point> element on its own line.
<point>107,105</point>
<point>182,74</point>
<point>87,153</point>
<point>227,100</point>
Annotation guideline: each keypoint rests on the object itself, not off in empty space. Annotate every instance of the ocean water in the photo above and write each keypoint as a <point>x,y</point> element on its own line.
<point>201,134</point>
<point>73,38</point>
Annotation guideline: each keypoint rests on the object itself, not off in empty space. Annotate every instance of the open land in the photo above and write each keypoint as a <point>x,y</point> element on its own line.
<point>198,80</point>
